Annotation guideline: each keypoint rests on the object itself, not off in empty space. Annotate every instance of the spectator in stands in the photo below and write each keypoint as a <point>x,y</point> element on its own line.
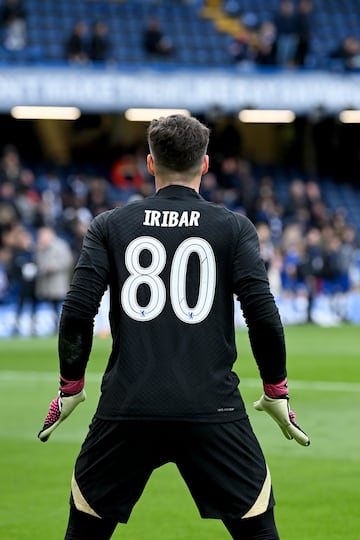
<point>286,24</point>
<point>265,243</point>
<point>155,41</point>
<point>49,186</point>
<point>75,224</point>
<point>54,261</point>
<point>310,266</point>
<point>241,49</point>
<point>9,214</point>
<point>354,273</point>
<point>13,24</point>
<point>348,53</point>
<point>27,199</point>
<point>22,273</point>
<point>266,44</point>
<point>228,175</point>
<point>319,214</point>
<point>100,46</point>
<point>313,192</point>
<point>76,46</point>
<point>332,272</point>
<point>267,209</point>
<point>297,204</point>
<point>292,243</point>
<point>209,188</point>
<point>5,257</point>
<point>304,20</point>
<point>348,246</point>
<point>10,165</point>
<point>98,196</point>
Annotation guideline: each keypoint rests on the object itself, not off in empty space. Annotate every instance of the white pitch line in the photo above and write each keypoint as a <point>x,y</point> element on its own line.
<point>319,386</point>
<point>39,376</point>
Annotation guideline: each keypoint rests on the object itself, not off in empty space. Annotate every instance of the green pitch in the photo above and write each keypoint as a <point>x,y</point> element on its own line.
<point>317,488</point>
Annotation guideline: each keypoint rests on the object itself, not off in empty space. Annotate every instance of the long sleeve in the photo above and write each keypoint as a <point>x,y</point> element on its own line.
<point>252,288</point>
<point>89,282</point>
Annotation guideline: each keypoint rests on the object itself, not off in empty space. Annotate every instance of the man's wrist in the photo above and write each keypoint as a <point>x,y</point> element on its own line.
<point>276,390</point>
<point>70,388</point>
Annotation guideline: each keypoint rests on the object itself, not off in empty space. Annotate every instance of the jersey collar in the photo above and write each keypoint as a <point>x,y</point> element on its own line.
<point>177,192</point>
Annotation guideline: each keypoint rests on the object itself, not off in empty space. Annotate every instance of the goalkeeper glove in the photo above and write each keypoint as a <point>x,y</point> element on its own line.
<point>71,393</point>
<point>275,401</point>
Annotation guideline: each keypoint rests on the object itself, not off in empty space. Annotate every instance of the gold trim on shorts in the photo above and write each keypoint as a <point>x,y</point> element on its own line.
<point>79,500</point>
<point>262,502</point>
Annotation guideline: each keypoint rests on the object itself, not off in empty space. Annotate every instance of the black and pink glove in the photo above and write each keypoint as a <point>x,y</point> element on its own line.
<point>275,401</point>
<point>70,394</point>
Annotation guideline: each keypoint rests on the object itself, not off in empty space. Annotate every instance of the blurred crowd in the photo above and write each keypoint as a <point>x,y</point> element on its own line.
<point>281,37</point>
<point>312,254</point>
<point>284,38</point>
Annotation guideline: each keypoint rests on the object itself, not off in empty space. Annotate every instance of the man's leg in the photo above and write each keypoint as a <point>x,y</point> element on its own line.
<point>82,526</point>
<point>261,527</point>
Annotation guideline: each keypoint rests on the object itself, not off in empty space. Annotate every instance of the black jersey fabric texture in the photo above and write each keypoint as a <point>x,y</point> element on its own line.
<point>174,264</point>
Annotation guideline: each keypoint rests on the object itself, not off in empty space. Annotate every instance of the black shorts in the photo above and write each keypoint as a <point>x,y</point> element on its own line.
<point>222,465</point>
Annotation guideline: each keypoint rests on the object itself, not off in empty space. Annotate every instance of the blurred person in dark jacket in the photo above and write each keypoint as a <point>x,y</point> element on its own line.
<point>286,24</point>
<point>304,20</point>
<point>100,46</point>
<point>155,42</point>
<point>22,276</point>
<point>348,53</point>
<point>266,44</point>
<point>76,46</point>
<point>10,165</point>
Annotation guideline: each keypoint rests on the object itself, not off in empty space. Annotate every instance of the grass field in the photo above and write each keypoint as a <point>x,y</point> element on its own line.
<point>317,488</point>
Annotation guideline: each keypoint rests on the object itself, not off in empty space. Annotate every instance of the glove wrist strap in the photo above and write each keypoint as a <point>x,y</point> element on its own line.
<point>276,391</point>
<point>71,387</point>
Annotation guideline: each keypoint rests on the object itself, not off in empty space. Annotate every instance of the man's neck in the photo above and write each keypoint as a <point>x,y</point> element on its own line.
<point>193,183</point>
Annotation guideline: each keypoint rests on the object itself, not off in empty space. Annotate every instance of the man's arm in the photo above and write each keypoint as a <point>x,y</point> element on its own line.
<point>251,285</point>
<point>81,304</point>
<point>266,332</point>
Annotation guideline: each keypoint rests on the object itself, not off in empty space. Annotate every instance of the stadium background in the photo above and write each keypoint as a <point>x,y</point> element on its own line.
<point>98,158</point>
<point>316,488</point>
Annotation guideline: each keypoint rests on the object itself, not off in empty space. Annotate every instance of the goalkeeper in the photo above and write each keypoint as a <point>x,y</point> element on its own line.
<point>173,263</point>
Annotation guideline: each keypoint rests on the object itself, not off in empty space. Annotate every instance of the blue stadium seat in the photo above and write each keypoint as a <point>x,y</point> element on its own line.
<point>49,20</point>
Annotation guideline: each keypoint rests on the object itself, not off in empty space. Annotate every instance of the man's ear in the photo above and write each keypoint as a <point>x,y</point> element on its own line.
<point>205,166</point>
<point>150,164</point>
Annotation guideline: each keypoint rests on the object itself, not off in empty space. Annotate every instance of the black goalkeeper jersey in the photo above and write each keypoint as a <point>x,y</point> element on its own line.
<point>173,263</point>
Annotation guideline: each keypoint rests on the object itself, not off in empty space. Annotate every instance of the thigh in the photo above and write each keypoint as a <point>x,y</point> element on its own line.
<point>225,470</point>
<point>113,466</point>
<point>84,527</point>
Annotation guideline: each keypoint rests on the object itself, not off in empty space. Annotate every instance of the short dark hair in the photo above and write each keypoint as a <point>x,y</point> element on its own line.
<point>178,143</point>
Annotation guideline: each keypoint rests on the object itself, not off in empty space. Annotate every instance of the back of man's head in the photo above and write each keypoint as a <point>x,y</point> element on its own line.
<point>178,143</point>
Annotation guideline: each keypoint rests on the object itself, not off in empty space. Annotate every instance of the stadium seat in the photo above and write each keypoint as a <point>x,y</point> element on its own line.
<point>197,36</point>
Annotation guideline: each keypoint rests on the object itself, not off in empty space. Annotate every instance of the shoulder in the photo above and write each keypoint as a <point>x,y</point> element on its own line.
<point>243,229</point>
<point>101,219</point>
<point>238,221</point>
<point>113,216</point>
<point>236,227</point>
